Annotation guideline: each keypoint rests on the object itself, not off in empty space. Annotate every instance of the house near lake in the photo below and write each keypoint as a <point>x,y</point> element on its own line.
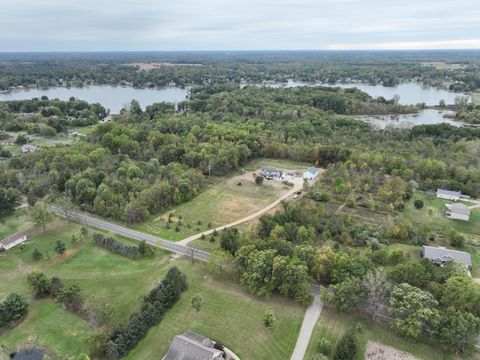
<point>12,241</point>
<point>457,211</point>
<point>192,346</point>
<point>441,256</point>
<point>311,173</point>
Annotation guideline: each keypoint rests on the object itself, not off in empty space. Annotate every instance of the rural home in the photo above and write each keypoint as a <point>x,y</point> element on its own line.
<point>289,176</point>
<point>458,212</point>
<point>311,173</point>
<point>13,240</point>
<point>27,148</point>
<point>192,346</point>
<point>9,141</point>
<point>448,195</point>
<point>441,256</point>
<point>271,173</point>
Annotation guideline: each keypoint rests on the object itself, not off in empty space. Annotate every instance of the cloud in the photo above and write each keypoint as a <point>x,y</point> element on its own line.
<point>232,24</point>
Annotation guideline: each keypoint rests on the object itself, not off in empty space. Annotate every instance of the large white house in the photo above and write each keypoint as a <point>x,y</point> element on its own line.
<point>448,195</point>
<point>13,240</point>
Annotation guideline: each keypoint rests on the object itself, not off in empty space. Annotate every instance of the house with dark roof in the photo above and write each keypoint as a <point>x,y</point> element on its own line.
<point>271,173</point>
<point>441,256</point>
<point>448,195</point>
<point>192,346</point>
<point>13,240</point>
<point>458,211</point>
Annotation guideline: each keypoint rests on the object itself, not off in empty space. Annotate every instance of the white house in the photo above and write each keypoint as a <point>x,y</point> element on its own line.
<point>458,212</point>
<point>311,173</point>
<point>27,148</point>
<point>13,240</point>
<point>448,195</point>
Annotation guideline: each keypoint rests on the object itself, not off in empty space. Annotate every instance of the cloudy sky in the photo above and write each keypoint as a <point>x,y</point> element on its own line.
<point>95,25</point>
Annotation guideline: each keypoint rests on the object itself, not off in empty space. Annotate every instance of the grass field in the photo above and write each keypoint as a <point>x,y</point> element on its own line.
<point>99,273</point>
<point>333,325</point>
<point>228,315</point>
<point>277,163</point>
<point>227,309</point>
<point>433,214</point>
<point>220,203</point>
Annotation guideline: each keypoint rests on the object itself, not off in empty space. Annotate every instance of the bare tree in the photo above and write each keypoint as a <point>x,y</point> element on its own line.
<point>376,288</point>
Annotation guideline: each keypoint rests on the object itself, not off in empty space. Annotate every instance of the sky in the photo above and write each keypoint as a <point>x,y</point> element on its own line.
<point>160,25</point>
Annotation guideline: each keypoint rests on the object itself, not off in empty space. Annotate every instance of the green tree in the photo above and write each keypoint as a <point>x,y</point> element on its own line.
<point>347,348</point>
<point>40,215</point>
<point>458,330</point>
<point>39,283</point>
<point>230,240</point>
<point>462,293</point>
<point>14,307</point>
<point>418,204</point>
<point>412,308</point>
<point>60,247</point>
<point>197,301</point>
<point>259,180</point>
<point>71,298</point>
<point>269,319</point>
<point>37,255</point>
<point>345,295</point>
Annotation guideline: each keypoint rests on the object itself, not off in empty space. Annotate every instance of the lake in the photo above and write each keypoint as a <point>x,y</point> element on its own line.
<point>111,97</point>
<point>410,93</point>
<point>407,121</point>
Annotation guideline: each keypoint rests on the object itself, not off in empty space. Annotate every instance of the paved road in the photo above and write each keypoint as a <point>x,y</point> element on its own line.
<point>309,321</point>
<point>137,235</point>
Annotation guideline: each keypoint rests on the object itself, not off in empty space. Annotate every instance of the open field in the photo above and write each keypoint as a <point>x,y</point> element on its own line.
<point>276,163</point>
<point>99,273</point>
<point>229,315</point>
<point>222,202</point>
<point>333,325</point>
<point>122,282</point>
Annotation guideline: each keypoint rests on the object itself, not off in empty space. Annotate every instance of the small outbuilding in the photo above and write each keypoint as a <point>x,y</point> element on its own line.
<point>192,346</point>
<point>311,173</point>
<point>458,211</point>
<point>448,195</point>
<point>441,256</point>
<point>13,240</point>
<point>28,148</point>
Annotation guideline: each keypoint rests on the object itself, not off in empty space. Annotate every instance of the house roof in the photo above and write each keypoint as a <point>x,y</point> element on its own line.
<point>460,209</point>
<point>312,170</point>
<point>12,238</point>
<point>448,192</point>
<point>192,346</point>
<point>444,254</point>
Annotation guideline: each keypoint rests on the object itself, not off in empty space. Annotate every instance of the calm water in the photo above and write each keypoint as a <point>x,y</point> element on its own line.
<point>111,97</point>
<point>406,121</point>
<point>410,93</point>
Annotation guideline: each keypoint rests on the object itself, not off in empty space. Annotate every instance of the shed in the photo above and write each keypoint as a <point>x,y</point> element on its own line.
<point>311,173</point>
<point>448,195</point>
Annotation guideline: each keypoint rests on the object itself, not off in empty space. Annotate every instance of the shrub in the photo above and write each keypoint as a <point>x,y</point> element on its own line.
<point>39,283</point>
<point>115,246</point>
<point>397,257</point>
<point>60,247</point>
<point>347,347</point>
<point>418,204</point>
<point>324,346</point>
<point>37,255</point>
<point>269,319</point>
<point>259,180</point>
<point>380,257</point>
<point>197,301</point>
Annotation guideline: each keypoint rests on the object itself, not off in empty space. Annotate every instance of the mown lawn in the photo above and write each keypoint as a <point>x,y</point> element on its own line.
<point>13,224</point>
<point>278,163</point>
<point>433,215</point>
<point>220,203</point>
<point>229,315</point>
<point>333,325</point>
<point>100,274</point>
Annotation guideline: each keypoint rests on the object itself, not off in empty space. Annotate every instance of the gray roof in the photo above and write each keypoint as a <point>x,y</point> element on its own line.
<point>12,238</point>
<point>444,254</point>
<point>448,192</point>
<point>312,170</point>
<point>192,346</point>
<point>460,209</point>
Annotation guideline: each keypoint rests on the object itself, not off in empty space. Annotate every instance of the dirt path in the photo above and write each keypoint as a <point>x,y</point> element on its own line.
<point>378,351</point>
<point>309,321</point>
